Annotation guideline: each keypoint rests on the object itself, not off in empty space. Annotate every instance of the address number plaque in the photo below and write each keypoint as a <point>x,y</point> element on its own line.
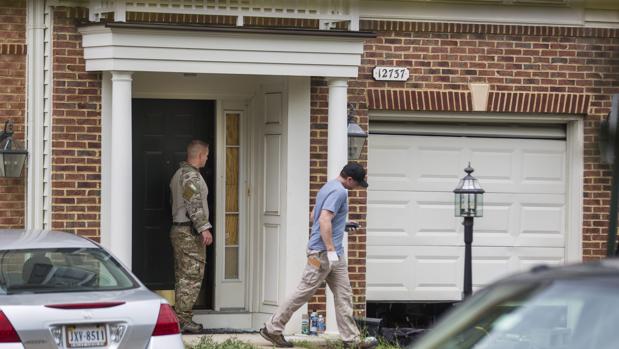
<point>390,74</point>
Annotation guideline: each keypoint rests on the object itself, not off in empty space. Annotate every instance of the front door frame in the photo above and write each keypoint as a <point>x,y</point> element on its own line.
<point>224,89</point>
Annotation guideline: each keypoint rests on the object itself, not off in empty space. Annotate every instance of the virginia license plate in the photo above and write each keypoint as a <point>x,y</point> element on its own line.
<point>86,336</point>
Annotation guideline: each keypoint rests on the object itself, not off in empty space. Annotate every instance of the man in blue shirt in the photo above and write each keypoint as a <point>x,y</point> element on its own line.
<point>326,261</point>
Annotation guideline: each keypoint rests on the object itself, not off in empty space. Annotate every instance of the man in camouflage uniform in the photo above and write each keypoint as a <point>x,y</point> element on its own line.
<point>190,233</point>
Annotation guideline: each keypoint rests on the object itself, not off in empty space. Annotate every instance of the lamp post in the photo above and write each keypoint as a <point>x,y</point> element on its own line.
<point>468,204</point>
<point>12,155</point>
<point>356,135</point>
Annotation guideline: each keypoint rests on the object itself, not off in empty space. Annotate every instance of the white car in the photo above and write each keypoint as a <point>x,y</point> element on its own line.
<point>60,290</point>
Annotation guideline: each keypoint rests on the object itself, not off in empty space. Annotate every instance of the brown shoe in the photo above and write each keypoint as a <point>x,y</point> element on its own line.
<point>277,339</point>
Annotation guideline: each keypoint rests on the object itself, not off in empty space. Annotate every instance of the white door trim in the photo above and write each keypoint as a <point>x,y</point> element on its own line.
<point>575,156</point>
<point>224,107</point>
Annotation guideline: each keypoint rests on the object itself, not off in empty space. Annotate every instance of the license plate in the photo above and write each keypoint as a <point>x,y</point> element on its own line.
<point>86,336</point>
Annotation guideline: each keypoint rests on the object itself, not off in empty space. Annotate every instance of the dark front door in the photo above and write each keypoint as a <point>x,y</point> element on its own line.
<point>162,128</point>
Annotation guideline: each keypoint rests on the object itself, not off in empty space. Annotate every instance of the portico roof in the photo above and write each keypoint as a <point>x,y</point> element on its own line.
<point>134,47</point>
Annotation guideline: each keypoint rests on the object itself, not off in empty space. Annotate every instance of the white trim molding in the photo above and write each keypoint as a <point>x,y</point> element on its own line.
<point>182,49</point>
<point>565,13</point>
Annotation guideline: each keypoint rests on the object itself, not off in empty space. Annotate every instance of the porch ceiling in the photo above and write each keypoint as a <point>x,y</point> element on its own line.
<point>198,49</point>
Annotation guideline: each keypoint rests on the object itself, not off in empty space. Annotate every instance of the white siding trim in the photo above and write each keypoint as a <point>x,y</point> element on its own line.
<point>575,165</point>
<point>487,13</point>
<point>35,38</point>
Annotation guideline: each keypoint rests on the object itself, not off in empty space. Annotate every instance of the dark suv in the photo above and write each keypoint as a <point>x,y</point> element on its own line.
<point>568,307</point>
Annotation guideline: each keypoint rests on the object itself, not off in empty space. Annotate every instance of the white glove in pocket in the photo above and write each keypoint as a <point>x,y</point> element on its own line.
<point>332,257</point>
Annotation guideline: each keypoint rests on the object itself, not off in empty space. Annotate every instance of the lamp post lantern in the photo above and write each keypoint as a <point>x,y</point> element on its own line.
<point>12,155</point>
<point>468,204</point>
<point>356,136</point>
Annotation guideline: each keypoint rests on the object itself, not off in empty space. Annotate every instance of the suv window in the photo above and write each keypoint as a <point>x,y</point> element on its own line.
<point>61,270</point>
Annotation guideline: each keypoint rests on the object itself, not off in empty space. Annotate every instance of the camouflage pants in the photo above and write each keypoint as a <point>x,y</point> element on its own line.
<point>189,260</point>
<point>316,271</point>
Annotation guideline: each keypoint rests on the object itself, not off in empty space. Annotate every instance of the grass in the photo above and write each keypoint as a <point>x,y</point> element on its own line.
<point>207,342</point>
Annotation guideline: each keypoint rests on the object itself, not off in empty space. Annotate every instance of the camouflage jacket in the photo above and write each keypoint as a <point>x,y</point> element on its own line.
<point>188,195</point>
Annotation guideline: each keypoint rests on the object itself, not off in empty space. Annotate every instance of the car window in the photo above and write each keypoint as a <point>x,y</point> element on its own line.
<point>550,315</point>
<point>61,270</point>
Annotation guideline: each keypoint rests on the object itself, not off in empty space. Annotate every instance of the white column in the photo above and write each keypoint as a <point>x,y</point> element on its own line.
<point>337,157</point>
<point>106,157</point>
<point>120,191</point>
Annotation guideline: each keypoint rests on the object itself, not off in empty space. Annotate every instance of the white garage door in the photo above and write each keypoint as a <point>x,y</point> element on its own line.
<point>415,248</point>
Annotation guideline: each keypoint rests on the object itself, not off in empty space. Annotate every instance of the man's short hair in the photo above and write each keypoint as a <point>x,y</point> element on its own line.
<point>356,172</point>
<point>195,147</point>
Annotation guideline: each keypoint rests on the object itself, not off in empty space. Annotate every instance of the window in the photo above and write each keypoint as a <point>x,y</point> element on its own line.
<point>61,270</point>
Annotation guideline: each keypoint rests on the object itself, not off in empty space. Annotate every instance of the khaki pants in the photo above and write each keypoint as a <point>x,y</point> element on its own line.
<point>189,260</point>
<point>316,271</point>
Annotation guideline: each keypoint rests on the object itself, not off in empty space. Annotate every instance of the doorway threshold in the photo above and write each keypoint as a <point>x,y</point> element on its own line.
<point>227,320</point>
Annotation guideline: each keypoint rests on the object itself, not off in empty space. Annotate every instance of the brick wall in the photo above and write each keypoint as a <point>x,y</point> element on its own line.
<point>76,131</point>
<point>13,103</point>
<point>530,69</point>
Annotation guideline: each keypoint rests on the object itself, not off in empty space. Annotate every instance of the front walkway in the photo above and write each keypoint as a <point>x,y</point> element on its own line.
<point>255,340</point>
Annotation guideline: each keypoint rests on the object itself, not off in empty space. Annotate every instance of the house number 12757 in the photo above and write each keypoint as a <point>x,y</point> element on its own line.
<point>390,74</point>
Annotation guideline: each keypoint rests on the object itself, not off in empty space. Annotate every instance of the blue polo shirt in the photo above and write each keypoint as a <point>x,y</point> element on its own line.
<point>331,197</point>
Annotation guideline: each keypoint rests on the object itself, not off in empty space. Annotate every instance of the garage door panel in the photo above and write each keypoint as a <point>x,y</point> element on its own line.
<point>421,273</point>
<point>396,218</point>
<point>493,263</point>
<point>431,273</point>
<point>421,218</point>
<point>544,167</point>
<point>389,173</point>
<point>425,163</point>
<point>521,220</point>
<point>438,162</point>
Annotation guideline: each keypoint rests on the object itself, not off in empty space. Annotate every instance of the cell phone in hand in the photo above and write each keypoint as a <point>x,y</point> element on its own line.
<point>351,226</point>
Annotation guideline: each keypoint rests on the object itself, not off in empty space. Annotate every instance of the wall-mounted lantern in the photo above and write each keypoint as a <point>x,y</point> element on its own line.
<point>356,135</point>
<point>12,155</point>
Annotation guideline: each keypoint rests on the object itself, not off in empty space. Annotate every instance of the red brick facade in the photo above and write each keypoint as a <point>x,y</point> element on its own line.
<point>76,131</point>
<point>13,103</point>
<point>530,69</point>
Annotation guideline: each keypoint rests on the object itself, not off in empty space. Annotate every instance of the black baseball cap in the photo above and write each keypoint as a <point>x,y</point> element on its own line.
<point>356,172</point>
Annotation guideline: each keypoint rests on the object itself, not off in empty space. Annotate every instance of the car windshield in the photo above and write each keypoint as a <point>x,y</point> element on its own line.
<point>565,314</point>
<point>61,270</point>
